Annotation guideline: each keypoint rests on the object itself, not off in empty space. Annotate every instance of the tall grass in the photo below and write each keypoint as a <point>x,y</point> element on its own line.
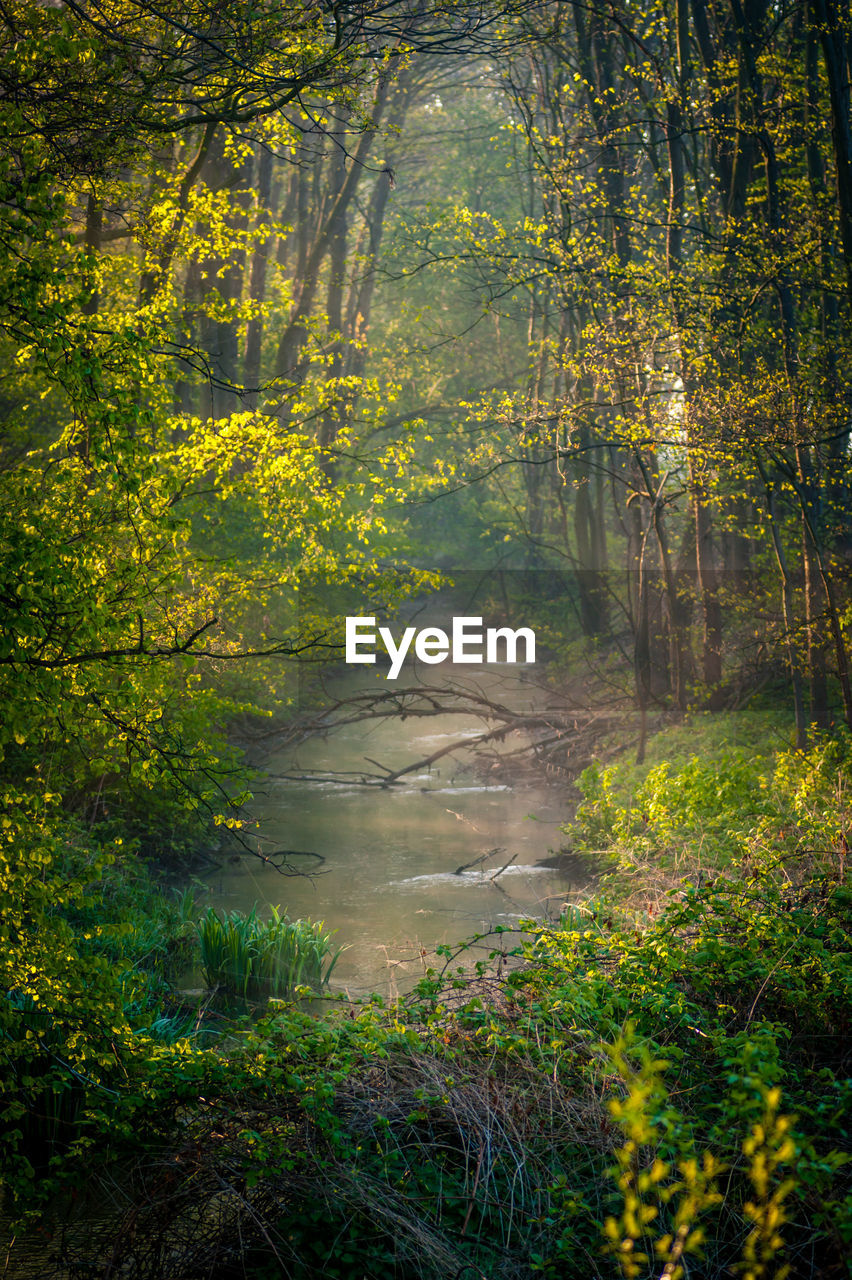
<point>250,957</point>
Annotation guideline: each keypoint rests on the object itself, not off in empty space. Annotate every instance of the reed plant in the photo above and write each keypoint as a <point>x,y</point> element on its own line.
<point>249,957</point>
<point>296,953</point>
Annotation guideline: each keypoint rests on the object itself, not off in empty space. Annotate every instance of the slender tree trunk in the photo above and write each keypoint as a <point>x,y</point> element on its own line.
<point>295,333</point>
<point>642,644</point>
<point>836,52</point>
<point>836,485</point>
<point>791,645</point>
<point>156,274</point>
<point>231,275</point>
<point>94,236</point>
<point>705,555</point>
<point>815,611</point>
<point>257,280</point>
<point>333,417</point>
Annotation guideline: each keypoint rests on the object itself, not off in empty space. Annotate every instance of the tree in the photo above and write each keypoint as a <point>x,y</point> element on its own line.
<point>682,254</point>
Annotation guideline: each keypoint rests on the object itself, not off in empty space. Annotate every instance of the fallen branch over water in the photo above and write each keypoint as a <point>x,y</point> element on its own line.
<point>552,738</point>
<point>466,866</point>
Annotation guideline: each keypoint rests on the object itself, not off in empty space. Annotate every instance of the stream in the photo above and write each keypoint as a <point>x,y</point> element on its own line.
<point>387,883</point>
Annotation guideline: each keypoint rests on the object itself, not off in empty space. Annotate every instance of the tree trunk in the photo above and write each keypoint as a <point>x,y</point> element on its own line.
<point>837,56</point>
<point>94,234</point>
<point>257,281</point>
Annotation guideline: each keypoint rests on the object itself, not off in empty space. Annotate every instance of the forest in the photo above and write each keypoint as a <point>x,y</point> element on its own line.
<point>331,309</point>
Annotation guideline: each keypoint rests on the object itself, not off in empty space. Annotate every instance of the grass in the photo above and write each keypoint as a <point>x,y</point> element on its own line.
<point>710,792</point>
<point>248,957</point>
<point>756,733</point>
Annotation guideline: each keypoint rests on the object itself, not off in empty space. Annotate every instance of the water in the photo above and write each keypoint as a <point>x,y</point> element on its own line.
<point>388,882</point>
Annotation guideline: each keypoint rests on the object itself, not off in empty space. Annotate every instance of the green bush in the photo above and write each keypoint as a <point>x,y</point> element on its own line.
<point>710,811</point>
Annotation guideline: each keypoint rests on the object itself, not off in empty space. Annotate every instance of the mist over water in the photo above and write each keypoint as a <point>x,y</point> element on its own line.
<point>388,882</point>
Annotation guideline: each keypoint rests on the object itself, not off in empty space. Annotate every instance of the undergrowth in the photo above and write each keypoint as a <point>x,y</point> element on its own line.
<point>660,1088</point>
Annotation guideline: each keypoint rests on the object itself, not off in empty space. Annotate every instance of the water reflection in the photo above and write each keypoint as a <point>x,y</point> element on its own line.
<point>388,882</point>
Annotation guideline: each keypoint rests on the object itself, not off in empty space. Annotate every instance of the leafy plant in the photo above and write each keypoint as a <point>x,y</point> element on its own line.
<point>246,956</point>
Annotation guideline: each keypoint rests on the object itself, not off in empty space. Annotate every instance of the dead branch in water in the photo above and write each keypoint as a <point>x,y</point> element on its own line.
<point>483,857</point>
<point>555,735</point>
<point>505,867</point>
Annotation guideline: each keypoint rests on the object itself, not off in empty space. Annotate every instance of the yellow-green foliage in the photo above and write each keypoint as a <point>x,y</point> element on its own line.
<point>666,1202</point>
<point>663,1200</point>
<point>710,809</point>
<point>769,1146</point>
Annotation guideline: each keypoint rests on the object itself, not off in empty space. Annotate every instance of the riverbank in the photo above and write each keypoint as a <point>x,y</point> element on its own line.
<point>662,1072</point>
<point>446,850</point>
